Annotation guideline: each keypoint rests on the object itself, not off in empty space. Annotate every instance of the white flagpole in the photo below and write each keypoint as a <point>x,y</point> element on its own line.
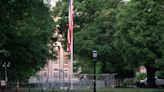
<point>72,62</point>
<point>71,2</point>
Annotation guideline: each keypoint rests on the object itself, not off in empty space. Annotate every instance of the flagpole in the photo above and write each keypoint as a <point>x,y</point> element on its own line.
<point>72,61</point>
<point>71,9</point>
<point>70,40</point>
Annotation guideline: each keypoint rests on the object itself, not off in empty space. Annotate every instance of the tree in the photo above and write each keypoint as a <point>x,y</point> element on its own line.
<point>97,33</point>
<point>94,26</point>
<point>139,36</point>
<point>24,34</point>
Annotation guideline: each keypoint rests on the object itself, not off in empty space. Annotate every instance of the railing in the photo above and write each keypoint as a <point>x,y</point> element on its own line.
<point>83,81</point>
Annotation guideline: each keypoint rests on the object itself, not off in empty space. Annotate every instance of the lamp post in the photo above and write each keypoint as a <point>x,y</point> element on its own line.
<point>94,55</point>
<point>6,65</point>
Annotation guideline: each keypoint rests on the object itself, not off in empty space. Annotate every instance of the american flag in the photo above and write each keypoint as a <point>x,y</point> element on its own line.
<point>70,26</point>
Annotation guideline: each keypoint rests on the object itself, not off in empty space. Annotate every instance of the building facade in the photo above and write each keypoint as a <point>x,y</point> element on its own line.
<point>54,70</point>
<point>58,67</point>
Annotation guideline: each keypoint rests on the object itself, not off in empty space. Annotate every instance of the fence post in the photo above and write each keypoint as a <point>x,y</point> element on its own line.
<point>53,89</point>
<point>29,87</point>
<point>67,89</point>
<point>42,89</point>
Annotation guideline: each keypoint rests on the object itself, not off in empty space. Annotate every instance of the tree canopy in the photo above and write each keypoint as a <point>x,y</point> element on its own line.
<point>125,34</point>
<point>24,34</point>
<point>139,35</point>
<point>94,26</point>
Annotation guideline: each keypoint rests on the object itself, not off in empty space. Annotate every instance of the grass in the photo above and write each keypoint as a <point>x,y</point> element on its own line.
<point>101,90</point>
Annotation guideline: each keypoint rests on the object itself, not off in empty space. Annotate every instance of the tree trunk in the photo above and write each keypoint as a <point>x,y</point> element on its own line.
<point>151,76</point>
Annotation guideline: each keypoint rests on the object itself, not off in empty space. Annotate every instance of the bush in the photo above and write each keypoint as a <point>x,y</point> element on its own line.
<point>140,76</point>
<point>130,82</point>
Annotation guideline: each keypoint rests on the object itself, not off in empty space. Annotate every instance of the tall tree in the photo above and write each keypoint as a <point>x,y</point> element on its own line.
<point>24,34</point>
<point>139,36</point>
<point>97,33</point>
<point>94,28</point>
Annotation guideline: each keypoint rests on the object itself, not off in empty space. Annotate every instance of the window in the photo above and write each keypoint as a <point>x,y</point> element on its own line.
<point>66,61</point>
<point>65,74</point>
<point>55,69</point>
<point>55,75</point>
<point>45,74</point>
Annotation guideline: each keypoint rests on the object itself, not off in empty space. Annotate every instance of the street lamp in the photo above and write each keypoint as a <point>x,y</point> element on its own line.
<point>6,65</point>
<point>94,55</point>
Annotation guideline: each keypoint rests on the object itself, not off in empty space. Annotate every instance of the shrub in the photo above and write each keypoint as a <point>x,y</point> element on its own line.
<point>130,81</point>
<point>140,76</point>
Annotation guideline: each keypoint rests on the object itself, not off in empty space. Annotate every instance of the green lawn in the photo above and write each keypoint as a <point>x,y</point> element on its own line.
<point>103,90</point>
